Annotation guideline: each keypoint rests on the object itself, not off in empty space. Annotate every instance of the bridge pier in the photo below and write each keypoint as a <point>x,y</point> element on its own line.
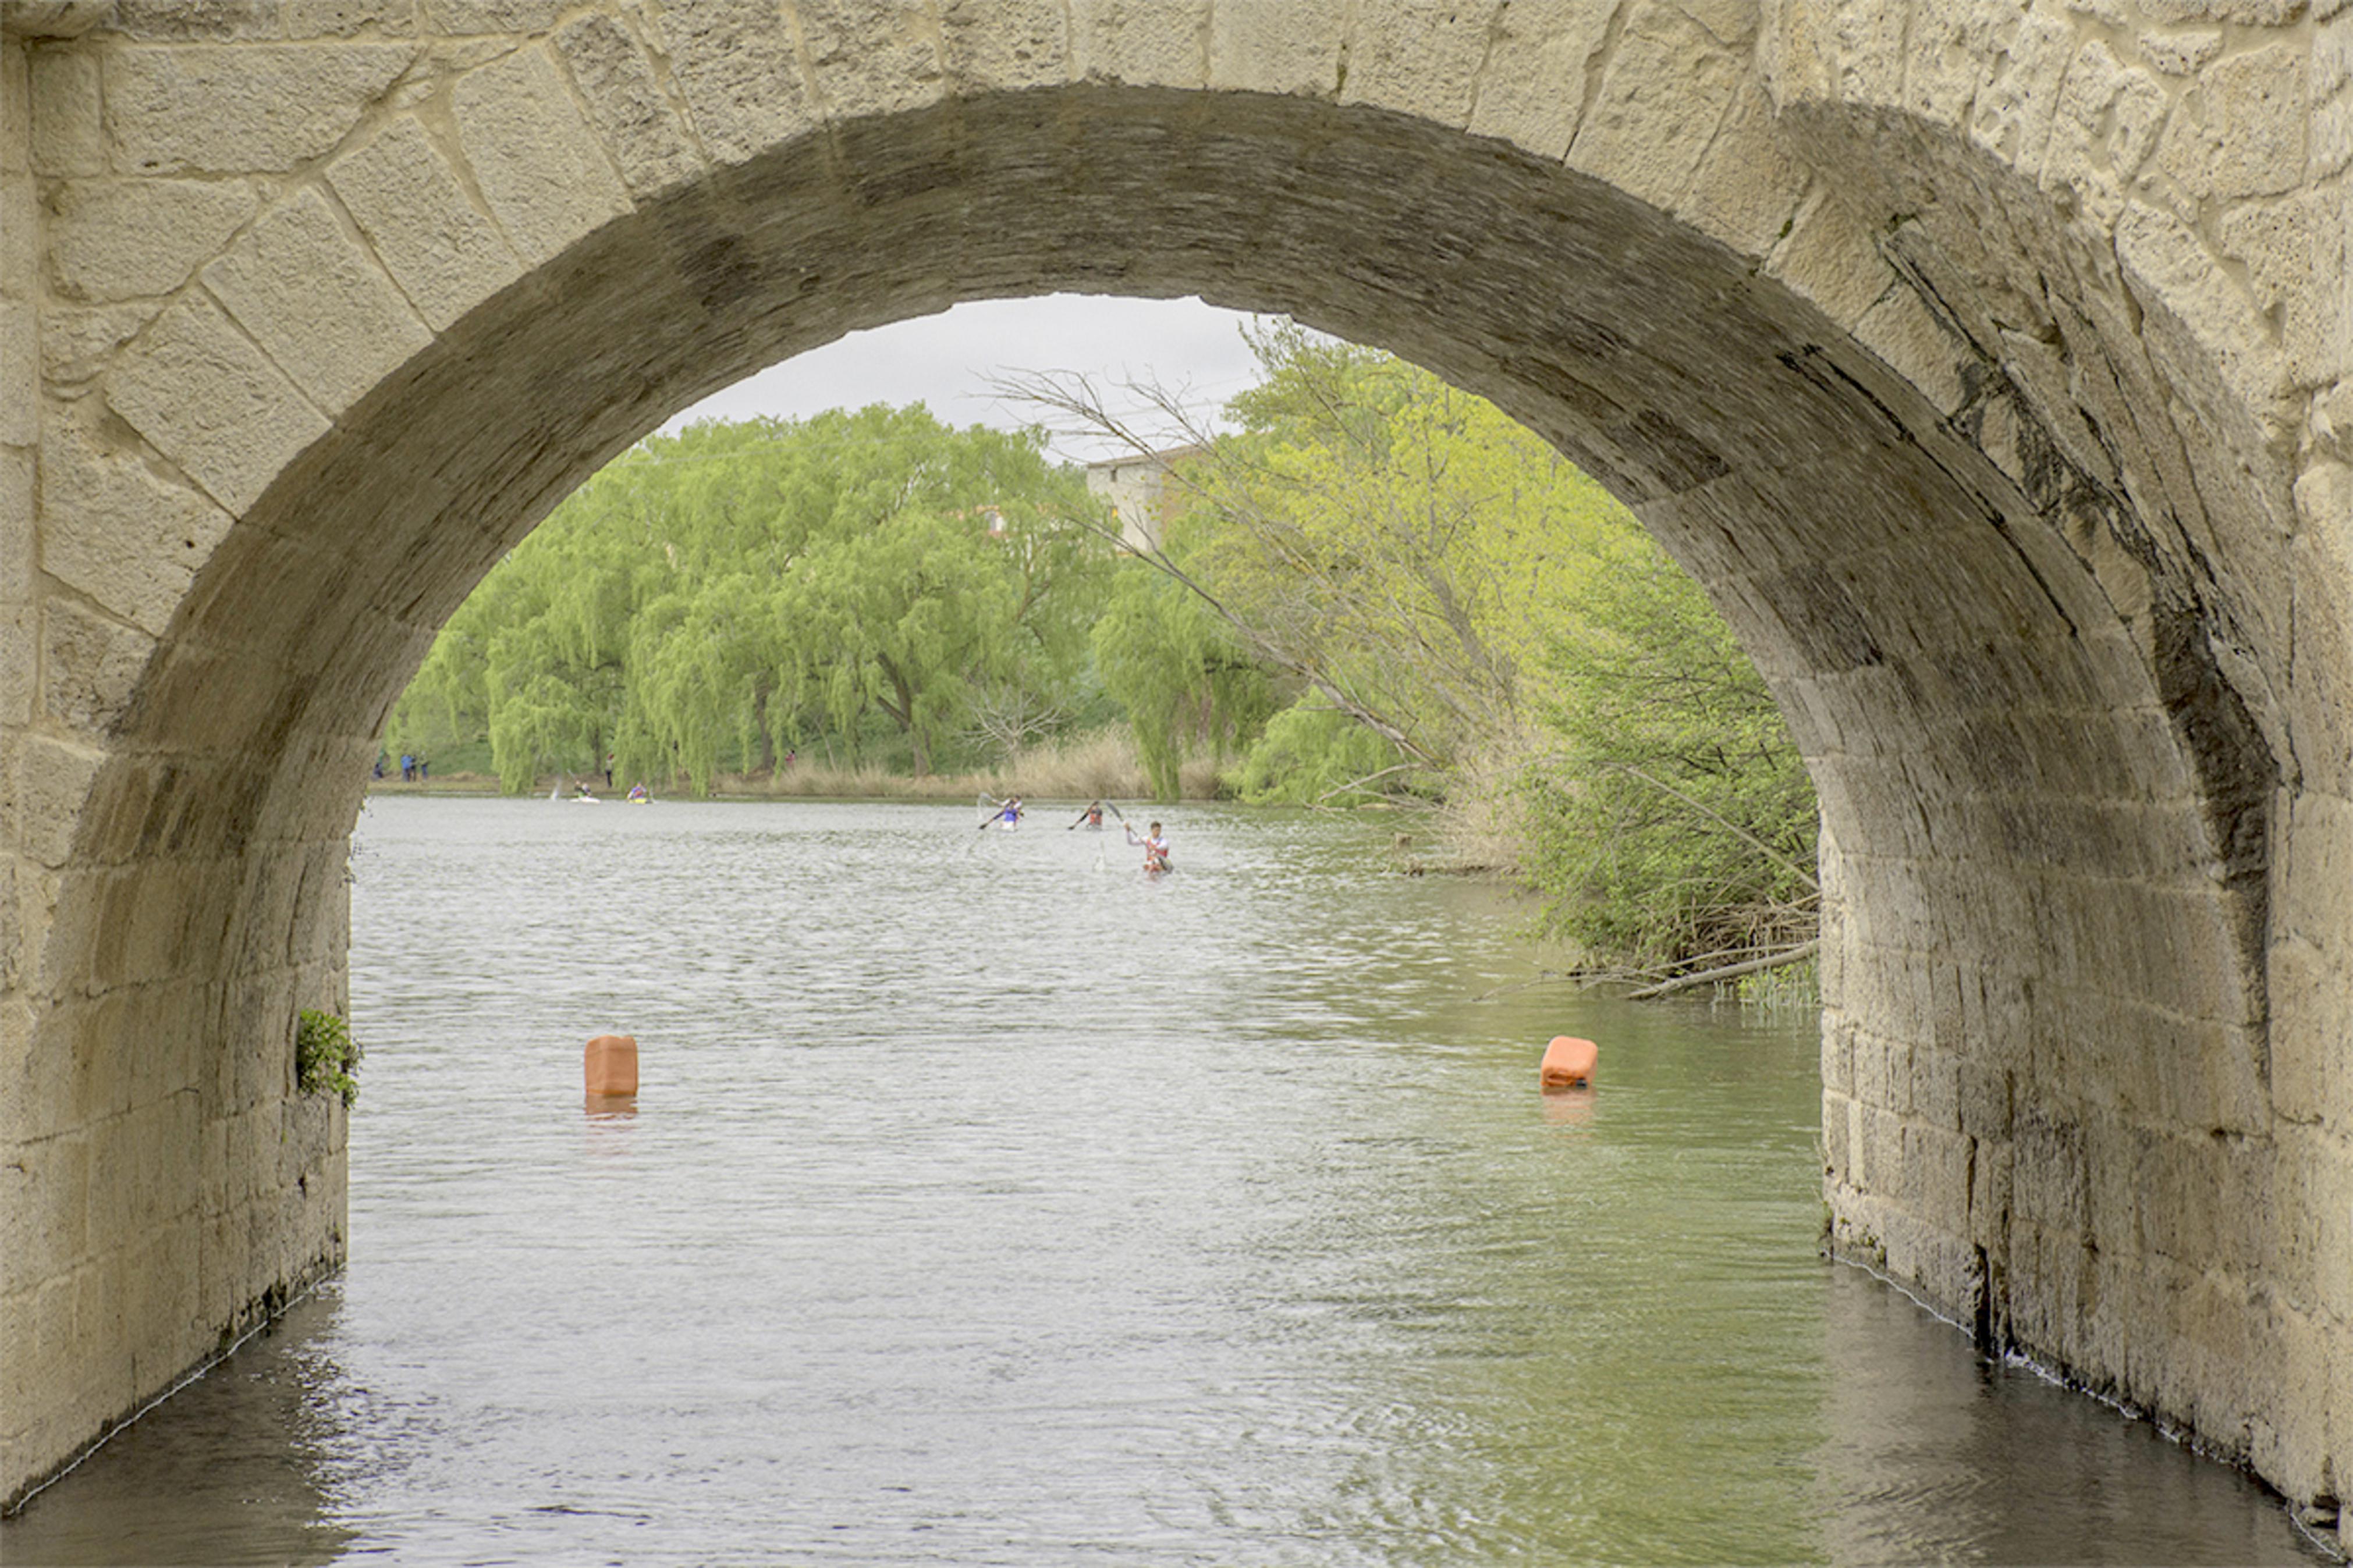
<point>1987,364</point>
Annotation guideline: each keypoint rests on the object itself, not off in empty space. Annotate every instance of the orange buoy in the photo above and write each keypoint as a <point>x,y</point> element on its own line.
<point>612,1064</point>
<point>1568,1062</point>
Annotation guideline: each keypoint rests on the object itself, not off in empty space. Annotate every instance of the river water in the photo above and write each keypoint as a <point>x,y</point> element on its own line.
<point>988,1201</point>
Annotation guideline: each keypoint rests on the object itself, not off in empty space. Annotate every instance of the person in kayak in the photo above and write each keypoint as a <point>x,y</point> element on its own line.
<point>1156,848</point>
<point>1092,816</point>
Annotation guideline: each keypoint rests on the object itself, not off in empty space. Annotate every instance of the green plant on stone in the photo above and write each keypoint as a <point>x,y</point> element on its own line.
<point>325,1057</point>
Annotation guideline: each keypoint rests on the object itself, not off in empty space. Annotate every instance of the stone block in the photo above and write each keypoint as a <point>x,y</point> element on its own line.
<point>539,166</point>
<point>1985,1098</point>
<point>737,65</point>
<point>2294,251</point>
<point>1422,59</point>
<point>40,1370</point>
<point>347,18</point>
<point>207,399</point>
<point>2311,1032</point>
<point>160,1306</point>
<point>68,139</point>
<point>872,56</point>
<point>1540,57</point>
<point>1917,346</point>
<point>167,1062</point>
<point>2331,131</point>
<point>20,418</point>
<point>1838,1159</point>
<point>1867,39</point>
<point>444,252</point>
<point>93,665</point>
<point>1270,48</point>
<point>2290,1446</point>
<point>1990,1173</point>
<point>1829,257</point>
<point>2013,111</point>
<point>1837,1054</point>
<point>2316,1183</point>
<point>1646,142</point>
<point>77,343</point>
<point>626,100</point>
<point>53,780</point>
<point>1143,43</point>
<point>20,235</point>
<point>1936,1088</point>
<point>187,21</point>
<point>45,1207</point>
<point>1004,45</point>
<point>245,108</point>
<point>2047,1174</point>
<point>2241,129</point>
<point>1935,1186</point>
<point>1748,186</point>
<point>313,297</point>
<point>117,240</point>
<point>1882,1152</point>
<point>114,531</point>
<point>15,107</point>
<point>2196,312</point>
<point>465,17</point>
<point>1871,1069</point>
<point>2106,126</point>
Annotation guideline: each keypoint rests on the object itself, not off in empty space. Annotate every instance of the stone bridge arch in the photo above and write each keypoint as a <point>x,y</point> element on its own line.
<point>1984,362</point>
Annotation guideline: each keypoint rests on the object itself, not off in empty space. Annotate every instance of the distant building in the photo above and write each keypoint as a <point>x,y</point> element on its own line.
<point>1141,493</point>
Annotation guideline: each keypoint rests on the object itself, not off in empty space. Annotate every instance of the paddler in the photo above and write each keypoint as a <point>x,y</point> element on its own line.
<point>1092,816</point>
<point>1156,848</point>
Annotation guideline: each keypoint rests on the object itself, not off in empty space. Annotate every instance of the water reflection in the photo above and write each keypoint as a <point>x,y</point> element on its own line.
<point>229,1472</point>
<point>1938,1458</point>
<point>1569,1107</point>
<point>996,1206</point>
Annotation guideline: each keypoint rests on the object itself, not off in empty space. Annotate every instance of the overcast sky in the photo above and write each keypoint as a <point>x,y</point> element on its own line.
<point>946,362</point>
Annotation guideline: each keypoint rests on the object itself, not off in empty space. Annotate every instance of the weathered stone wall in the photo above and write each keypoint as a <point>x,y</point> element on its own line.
<point>163,1187</point>
<point>1986,362</point>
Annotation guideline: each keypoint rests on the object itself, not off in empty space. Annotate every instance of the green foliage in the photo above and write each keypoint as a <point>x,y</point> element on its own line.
<point>325,1057</point>
<point>1405,546</point>
<point>1181,672</point>
<point>1311,753</point>
<point>713,598</point>
<point>1674,826</point>
<point>1368,534</point>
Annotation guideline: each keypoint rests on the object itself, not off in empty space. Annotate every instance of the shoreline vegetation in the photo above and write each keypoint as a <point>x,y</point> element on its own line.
<point>1099,766</point>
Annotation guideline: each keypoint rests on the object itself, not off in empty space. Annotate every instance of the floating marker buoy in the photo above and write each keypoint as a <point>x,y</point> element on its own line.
<point>1568,1062</point>
<point>611,1061</point>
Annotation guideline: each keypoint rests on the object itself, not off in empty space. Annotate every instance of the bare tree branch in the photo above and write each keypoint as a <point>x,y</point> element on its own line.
<point>1804,950</point>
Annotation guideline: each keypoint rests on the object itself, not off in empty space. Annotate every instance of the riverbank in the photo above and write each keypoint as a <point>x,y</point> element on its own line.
<point>1103,766</point>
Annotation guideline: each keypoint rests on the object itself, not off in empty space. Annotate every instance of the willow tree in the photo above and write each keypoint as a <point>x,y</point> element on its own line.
<point>718,595</point>
<point>1185,676</point>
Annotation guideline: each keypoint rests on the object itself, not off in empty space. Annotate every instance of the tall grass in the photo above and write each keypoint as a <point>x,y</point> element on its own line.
<point>1102,765</point>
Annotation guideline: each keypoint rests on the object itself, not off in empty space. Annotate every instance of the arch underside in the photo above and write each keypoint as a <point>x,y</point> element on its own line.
<point>2048,809</point>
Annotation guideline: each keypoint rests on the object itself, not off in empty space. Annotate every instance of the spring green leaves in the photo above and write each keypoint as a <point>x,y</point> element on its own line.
<point>325,1057</point>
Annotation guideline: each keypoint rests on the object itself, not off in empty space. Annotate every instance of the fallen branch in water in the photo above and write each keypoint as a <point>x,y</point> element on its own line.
<point>1729,971</point>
